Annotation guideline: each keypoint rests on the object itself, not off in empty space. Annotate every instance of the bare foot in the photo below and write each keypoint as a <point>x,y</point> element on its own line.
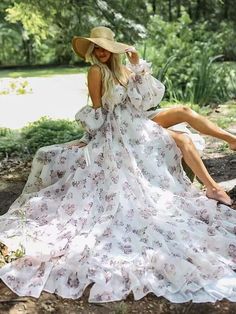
<point>233,145</point>
<point>219,195</point>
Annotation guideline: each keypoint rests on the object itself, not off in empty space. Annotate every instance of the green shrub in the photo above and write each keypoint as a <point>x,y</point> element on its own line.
<point>46,131</point>
<point>183,57</point>
<point>10,143</point>
<point>40,133</point>
<point>5,132</point>
<point>208,83</point>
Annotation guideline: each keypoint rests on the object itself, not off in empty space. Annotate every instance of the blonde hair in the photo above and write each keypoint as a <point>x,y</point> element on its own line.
<point>116,72</point>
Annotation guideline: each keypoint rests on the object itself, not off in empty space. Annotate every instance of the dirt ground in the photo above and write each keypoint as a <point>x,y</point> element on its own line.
<point>14,172</point>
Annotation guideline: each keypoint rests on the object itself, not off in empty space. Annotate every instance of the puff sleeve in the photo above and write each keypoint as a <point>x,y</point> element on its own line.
<point>91,119</point>
<point>144,90</point>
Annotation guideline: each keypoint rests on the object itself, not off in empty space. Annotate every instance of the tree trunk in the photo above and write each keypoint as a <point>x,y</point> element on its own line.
<point>154,7</point>
<point>203,9</point>
<point>178,3</point>
<point>198,10</point>
<point>226,10</point>
<point>27,45</point>
<point>190,10</point>
<point>170,10</point>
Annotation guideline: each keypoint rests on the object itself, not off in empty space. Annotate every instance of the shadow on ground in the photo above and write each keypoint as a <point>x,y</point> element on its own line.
<point>222,168</point>
<point>9,191</point>
<point>49,303</point>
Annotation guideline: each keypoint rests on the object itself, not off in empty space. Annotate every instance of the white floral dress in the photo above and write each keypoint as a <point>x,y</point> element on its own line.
<point>120,214</point>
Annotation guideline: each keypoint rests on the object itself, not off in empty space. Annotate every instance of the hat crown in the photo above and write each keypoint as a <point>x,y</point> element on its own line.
<point>102,32</point>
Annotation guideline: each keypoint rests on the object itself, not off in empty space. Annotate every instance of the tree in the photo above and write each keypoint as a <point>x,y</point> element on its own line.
<point>35,32</point>
<point>55,22</point>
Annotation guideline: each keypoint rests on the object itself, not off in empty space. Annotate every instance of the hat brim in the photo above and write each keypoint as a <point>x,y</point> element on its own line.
<point>81,44</point>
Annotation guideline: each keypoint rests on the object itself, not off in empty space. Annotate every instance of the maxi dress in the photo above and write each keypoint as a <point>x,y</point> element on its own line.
<point>120,213</point>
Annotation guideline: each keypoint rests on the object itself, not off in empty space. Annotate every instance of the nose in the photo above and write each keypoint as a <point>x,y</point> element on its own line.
<point>102,51</point>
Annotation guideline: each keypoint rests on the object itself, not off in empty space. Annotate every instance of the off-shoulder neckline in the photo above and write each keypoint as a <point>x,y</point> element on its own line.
<point>119,85</point>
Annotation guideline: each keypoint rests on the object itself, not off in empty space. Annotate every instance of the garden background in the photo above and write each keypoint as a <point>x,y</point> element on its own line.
<point>192,47</point>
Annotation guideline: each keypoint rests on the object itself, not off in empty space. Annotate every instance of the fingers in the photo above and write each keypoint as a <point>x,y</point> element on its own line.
<point>133,57</point>
<point>79,145</point>
<point>131,52</point>
<point>82,144</point>
<point>130,49</point>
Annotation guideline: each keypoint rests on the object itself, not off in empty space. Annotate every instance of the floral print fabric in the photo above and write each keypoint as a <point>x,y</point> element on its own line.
<point>127,221</point>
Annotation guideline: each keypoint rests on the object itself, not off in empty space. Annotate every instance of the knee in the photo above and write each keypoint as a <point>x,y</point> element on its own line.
<point>184,142</point>
<point>185,112</point>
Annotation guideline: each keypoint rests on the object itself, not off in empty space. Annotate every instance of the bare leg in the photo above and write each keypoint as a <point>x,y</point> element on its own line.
<point>193,160</point>
<point>173,116</point>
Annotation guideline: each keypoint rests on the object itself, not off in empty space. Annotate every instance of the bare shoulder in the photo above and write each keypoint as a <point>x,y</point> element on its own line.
<point>94,70</point>
<point>94,73</point>
<point>95,85</point>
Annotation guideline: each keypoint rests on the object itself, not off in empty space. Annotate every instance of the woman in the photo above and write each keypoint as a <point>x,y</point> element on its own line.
<point>123,215</point>
<point>169,118</point>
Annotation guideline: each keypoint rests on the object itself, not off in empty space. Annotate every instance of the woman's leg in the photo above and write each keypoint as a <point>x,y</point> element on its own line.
<point>193,160</point>
<point>172,116</point>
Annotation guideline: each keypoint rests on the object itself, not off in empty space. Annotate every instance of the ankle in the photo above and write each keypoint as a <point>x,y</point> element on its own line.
<point>213,187</point>
<point>232,144</point>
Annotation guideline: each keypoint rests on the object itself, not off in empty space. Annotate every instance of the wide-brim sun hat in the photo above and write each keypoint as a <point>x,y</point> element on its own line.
<point>101,36</point>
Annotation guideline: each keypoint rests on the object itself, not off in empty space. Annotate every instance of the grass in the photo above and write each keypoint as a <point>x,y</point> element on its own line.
<point>231,64</point>
<point>41,72</point>
<point>227,116</point>
<point>225,122</point>
<point>202,110</point>
<point>121,308</point>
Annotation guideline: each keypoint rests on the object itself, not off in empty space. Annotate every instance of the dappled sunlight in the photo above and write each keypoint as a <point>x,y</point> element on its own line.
<point>41,72</point>
<point>56,97</point>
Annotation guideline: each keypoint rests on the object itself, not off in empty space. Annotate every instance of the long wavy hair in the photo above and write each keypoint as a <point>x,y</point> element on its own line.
<point>116,72</point>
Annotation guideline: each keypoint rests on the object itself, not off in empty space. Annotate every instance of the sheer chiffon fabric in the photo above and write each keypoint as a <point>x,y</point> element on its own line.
<point>126,219</point>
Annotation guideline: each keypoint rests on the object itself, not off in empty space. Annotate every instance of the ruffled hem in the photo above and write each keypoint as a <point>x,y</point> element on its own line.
<point>115,280</point>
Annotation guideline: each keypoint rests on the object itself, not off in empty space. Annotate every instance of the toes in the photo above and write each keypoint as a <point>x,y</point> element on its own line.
<point>220,196</point>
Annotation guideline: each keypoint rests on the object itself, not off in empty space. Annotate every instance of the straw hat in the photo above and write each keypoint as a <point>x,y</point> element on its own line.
<point>101,36</point>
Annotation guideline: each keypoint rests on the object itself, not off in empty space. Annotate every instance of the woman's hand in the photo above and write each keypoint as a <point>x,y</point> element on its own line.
<point>132,55</point>
<point>79,145</point>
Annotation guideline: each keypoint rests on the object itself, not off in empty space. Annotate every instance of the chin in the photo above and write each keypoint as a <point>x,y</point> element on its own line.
<point>104,60</point>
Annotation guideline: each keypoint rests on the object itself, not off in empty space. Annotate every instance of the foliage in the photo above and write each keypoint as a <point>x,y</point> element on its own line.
<point>209,82</point>
<point>181,37</point>
<point>227,115</point>
<point>37,134</point>
<point>10,143</point>
<point>121,308</point>
<point>4,131</point>
<point>187,60</point>
<point>46,131</point>
<point>45,28</point>
<point>39,32</point>
<point>213,10</point>
<point>41,72</point>
<point>15,86</point>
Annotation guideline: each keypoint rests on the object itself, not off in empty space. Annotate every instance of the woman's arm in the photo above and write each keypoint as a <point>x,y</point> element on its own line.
<point>144,90</point>
<point>92,118</point>
<point>95,86</point>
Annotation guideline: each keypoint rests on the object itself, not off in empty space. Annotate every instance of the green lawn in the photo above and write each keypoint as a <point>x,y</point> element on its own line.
<point>42,72</point>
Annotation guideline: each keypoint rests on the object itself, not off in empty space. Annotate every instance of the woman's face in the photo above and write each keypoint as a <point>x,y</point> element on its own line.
<point>102,54</point>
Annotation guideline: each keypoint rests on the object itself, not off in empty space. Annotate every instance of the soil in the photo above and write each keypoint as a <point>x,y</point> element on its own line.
<point>221,165</point>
